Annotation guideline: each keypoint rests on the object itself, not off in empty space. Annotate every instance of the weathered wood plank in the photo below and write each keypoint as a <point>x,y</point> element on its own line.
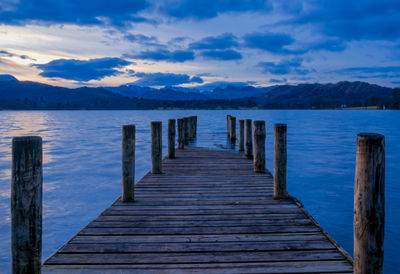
<point>207,212</point>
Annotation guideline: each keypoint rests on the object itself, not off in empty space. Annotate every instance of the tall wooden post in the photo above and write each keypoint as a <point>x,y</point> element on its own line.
<point>228,126</point>
<point>241,135</point>
<point>195,126</point>
<point>181,137</point>
<point>249,139</point>
<point>280,160</point>
<point>156,147</point>
<point>191,127</point>
<point>186,130</point>
<point>369,204</point>
<point>233,129</point>
<point>259,146</point>
<point>26,204</point>
<point>128,162</point>
<point>171,138</point>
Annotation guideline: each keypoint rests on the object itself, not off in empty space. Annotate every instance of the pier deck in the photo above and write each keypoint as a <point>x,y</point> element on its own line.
<point>207,212</point>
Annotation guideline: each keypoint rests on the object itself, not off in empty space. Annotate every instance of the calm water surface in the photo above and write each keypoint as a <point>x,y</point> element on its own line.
<point>82,172</point>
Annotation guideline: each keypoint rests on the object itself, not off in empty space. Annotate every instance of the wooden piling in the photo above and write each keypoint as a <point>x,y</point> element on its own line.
<point>191,127</point>
<point>181,137</point>
<point>156,147</point>
<point>233,129</point>
<point>228,125</point>
<point>171,138</point>
<point>280,160</point>
<point>195,126</point>
<point>241,135</point>
<point>186,130</point>
<point>128,162</point>
<point>26,204</point>
<point>249,139</point>
<point>369,204</point>
<point>259,146</point>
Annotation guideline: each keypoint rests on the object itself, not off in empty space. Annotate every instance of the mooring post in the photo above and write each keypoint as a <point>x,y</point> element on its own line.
<point>241,135</point>
<point>128,162</point>
<point>181,137</point>
<point>171,138</point>
<point>191,127</point>
<point>280,160</point>
<point>259,146</point>
<point>228,126</point>
<point>26,204</point>
<point>195,126</point>
<point>249,139</point>
<point>369,204</point>
<point>156,147</point>
<point>186,130</point>
<point>233,129</point>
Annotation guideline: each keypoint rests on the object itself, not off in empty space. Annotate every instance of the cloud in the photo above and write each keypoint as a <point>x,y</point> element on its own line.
<point>142,39</point>
<point>176,56</point>
<point>387,72</point>
<point>82,70</point>
<point>271,42</point>
<point>278,81</point>
<point>89,12</point>
<point>223,55</point>
<point>5,53</point>
<point>354,20</point>
<point>206,9</point>
<point>223,41</point>
<point>284,67</point>
<point>165,79</point>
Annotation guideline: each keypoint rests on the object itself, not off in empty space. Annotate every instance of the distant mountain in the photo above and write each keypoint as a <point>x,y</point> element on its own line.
<point>7,77</point>
<point>16,94</point>
<point>236,92</point>
<point>349,94</point>
<point>169,93</point>
<point>227,92</point>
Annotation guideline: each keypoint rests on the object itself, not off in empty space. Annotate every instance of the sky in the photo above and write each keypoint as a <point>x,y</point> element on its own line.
<point>194,43</point>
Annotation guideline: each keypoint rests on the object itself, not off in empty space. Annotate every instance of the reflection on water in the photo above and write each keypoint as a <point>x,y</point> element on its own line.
<point>82,164</point>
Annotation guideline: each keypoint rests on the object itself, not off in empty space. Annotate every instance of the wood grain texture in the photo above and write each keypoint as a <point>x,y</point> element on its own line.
<point>128,162</point>
<point>369,204</point>
<point>280,160</point>
<point>208,212</point>
<point>26,204</point>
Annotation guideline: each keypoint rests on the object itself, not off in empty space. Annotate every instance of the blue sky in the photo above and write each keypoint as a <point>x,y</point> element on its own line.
<point>184,42</point>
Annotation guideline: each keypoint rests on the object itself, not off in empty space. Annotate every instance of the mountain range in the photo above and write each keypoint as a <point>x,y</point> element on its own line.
<point>16,94</point>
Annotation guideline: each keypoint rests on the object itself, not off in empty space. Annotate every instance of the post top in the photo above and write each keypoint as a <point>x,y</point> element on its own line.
<point>129,126</point>
<point>259,122</point>
<point>280,125</point>
<point>370,136</point>
<point>27,139</point>
<point>156,122</point>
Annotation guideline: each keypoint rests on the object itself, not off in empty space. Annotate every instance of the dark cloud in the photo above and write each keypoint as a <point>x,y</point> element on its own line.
<point>211,8</point>
<point>387,72</point>
<point>82,70</point>
<point>176,56</point>
<point>223,41</point>
<point>271,42</point>
<point>165,79</point>
<point>5,53</point>
<point>142,39</point>
<point>88,12</point>
<point>278,81</point>
<point>284,67</point>
<point>223,55</point>
<point>354,20</point>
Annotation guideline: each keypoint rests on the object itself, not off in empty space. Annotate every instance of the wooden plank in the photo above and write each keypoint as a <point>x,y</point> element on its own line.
<point>187,257</point>
<point>207,212</point>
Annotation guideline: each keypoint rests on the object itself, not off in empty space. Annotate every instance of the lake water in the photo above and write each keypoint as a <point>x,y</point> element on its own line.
<point>82,158</point>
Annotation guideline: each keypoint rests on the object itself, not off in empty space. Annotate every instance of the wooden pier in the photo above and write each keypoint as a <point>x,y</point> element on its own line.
<point>207,212</point>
